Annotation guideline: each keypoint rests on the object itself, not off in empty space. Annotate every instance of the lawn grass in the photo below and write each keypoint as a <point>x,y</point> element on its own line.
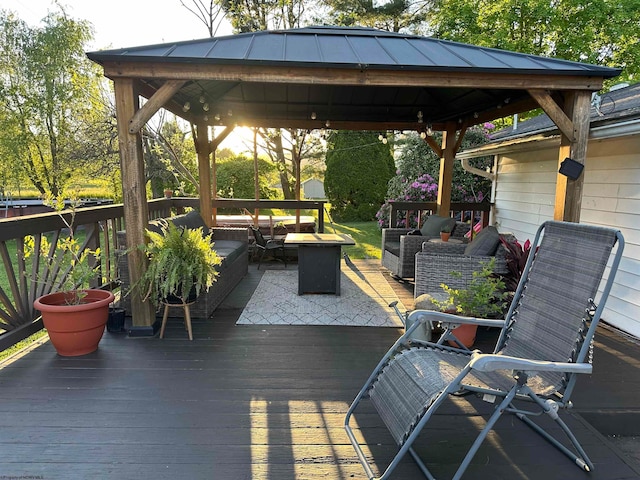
<point>367,235</point>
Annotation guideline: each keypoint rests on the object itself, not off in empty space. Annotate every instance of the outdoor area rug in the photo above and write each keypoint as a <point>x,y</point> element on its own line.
<point>364,301</point>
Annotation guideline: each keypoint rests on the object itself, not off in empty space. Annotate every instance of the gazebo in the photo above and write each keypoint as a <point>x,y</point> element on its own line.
<point>338,78</point>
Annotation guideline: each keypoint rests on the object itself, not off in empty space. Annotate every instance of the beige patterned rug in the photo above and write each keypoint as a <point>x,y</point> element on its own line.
<point>364,301</point>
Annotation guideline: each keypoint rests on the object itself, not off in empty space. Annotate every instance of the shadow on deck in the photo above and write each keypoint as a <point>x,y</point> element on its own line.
<point>268,402</point>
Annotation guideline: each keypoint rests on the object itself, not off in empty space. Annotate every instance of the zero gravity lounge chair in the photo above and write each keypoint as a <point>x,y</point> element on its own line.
<point>546,340</point>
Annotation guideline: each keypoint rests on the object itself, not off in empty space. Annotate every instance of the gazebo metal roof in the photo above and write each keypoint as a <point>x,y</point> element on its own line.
<point>330,94</point>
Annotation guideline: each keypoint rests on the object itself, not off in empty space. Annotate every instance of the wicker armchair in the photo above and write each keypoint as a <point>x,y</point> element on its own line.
<point>399,249</point>
<point>435,262</point>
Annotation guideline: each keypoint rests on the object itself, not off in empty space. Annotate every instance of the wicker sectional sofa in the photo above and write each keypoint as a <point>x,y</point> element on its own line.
<point>399,248</point>
<point>231,244</point>
<point>435,262</point>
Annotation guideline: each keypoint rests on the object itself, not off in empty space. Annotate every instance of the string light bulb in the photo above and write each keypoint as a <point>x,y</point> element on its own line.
<point>186,107</point>
<point>429,130</point>
<point>420,116</point>
<point>205,107</point>
<point>313,115</point>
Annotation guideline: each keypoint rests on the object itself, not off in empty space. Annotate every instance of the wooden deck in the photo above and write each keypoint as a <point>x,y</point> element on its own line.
<point>268,402</point>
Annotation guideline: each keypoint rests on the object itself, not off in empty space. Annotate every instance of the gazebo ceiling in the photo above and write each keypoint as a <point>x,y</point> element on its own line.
<point>356,78</point>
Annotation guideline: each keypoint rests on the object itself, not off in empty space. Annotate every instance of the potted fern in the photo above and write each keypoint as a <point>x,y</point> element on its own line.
<point>182,263</point>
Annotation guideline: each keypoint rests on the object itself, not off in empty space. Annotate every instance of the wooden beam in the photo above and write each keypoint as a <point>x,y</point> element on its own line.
<point>215,143</point>
<point>136,213</point>
<point>551,108</point>
<point>157,101</point>
<point>204,171</point>
<point>568,203</point>
<point>446,170</point>
<point>437,149</point>
<point>346,76</point>
<point>458,144</point>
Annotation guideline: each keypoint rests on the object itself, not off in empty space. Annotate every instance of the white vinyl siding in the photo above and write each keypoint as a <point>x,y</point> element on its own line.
<point>525,196</point>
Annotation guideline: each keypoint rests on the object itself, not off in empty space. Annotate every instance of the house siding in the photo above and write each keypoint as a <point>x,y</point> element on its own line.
<point>525,195</point>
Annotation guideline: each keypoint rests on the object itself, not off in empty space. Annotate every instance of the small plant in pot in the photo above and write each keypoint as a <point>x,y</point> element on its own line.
<point>182,264</point>
<point>445,233</point>
<point>73,315</point>
<point>484,297</point>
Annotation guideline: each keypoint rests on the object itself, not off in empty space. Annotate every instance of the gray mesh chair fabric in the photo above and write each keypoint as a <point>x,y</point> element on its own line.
<point>545,342</point>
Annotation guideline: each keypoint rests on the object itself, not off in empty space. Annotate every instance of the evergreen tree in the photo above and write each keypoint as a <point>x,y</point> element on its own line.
<point>359,167</point>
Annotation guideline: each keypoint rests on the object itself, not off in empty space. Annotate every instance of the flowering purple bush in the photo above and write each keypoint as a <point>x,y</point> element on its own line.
<point>422,189</point>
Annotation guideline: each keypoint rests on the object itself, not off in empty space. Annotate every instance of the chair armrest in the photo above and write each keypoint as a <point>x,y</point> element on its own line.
<point>442,247</point>
<point>492,362</point>
<point>230,233</point>
<point>410,245</point>
<point>393,234</point>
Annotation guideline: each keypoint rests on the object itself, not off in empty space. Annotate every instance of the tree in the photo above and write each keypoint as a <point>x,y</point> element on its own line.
<point>417,175</point>
<point>52,105</point>
<point>393,15</point>
<point>287,148</point>
<point>211,14</point>
<point>170,158</point>
<point>235,177</point>
<point>359,167</point>
<point>605,32</point>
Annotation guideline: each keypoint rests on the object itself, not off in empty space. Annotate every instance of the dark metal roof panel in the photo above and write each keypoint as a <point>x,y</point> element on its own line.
<point>350,47</point>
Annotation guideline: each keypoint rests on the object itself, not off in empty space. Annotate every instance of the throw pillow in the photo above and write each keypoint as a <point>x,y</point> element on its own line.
<point>485,243</point>
<point>415,232</point>
<point>433,225</point>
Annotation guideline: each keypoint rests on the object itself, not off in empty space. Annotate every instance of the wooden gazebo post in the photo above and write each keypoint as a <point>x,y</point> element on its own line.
<point>136,211</point>
<point>572,119</point>
<point>203,149</point>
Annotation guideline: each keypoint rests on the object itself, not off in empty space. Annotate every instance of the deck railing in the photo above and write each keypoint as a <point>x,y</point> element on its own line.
<point>21,279</point>
<point>418,210</point>
<point>26,277</point>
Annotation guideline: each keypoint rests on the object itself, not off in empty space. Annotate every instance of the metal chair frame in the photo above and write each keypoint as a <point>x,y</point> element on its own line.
<point>511,374</point>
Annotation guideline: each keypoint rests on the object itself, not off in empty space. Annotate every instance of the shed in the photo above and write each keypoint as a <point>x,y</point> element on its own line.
<point>313,188</point>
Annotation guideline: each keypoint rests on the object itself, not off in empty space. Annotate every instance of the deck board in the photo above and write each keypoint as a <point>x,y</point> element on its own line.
<point>265,402</point>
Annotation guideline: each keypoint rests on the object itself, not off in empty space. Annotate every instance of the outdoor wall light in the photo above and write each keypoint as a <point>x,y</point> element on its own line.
<point>570,168</point>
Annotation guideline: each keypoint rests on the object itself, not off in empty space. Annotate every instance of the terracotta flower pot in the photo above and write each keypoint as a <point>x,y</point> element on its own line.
<point>466,333</point>
<point>444,236</point>
<point>75,329</point>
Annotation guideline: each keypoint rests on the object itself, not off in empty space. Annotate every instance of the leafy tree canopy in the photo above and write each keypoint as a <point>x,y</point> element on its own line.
<point>235,177</point>
<point>604,32</point>
<point>55,119</point>
<point>359,167</point>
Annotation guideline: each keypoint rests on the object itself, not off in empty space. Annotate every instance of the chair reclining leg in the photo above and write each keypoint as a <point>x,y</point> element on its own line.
<point>550,408</point>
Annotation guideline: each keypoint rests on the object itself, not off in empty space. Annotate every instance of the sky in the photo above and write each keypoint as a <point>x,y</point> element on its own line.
<point>122,23</point>
<point>130,23</point>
